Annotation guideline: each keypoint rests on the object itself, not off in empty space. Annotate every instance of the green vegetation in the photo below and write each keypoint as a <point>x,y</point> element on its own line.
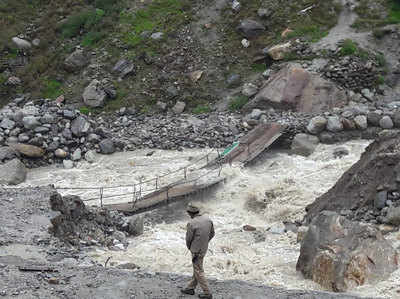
<point>83,20</point>
<point>349,47</point>
<point>380,59</point>
<point>258,67</point>
<point>383,12</point>
<point>200,109</point>
<point>85,110</point>
<point>51,89</point>
<point>312,33</point>
<point>380,80</point>
<point>238,102</point>
<point>160,15</point>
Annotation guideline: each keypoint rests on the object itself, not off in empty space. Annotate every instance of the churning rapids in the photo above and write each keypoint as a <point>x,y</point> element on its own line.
<point>281,184</point>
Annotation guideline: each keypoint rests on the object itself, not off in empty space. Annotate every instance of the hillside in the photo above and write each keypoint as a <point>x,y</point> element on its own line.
<point>174,50</point>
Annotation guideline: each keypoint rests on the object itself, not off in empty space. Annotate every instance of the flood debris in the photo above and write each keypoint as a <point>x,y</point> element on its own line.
<point>81,225</point>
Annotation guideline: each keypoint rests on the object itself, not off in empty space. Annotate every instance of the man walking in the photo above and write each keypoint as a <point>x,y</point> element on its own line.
<point>200,230</point>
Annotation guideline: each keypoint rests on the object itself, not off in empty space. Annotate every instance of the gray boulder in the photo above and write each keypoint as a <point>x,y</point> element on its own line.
<point>123,67</point>
<point>393,215</point>
<point>76,61</point>
<point>316,125</point>
<point>386,122</point>
<point>136,225</point>
<point>334,124</point>
<point>7,153</point>
<point>7,124</point>
<point>249,89</point>
<point>30,122</point>
<point>21,43</point>
<point>179,107</point>
<point>76,155</point>
<point>341,255</point>
<point>13,172</point>
<point>396,119</point>
<point>107,146</point>
<point>361,122</point>
<point>304,144</point>
<point>373,118</point>
<point>68,164</point>
<point>94,95</point>
<point>80,126</point>
<point>90,156</point>
<point>250,28</point>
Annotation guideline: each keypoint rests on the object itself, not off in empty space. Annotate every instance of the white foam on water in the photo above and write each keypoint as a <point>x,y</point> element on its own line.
<point>284,183</point>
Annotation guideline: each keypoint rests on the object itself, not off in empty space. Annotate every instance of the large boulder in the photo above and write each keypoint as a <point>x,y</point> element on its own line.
<point>7,153</point>
<point>278,52</point>
<point>304,144</point>
<point>80,126</point>
<point>107,146</point>
<point>294,88</point>
<point>123,67</point>
<point>13,172</point>
<point>316,125</point>
<point>136,225</point>
<point>28,150</point>
<point>21,43</point>
<point>76,61</point>
<point>340,254</point>
<point>250,28</point>
<point>94,95</point>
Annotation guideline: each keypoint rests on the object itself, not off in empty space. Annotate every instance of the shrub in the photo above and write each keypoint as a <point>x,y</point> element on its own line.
<point>238,102</point>
<point>348,48</point>
<point>201,109</point>
<point>380,59</point>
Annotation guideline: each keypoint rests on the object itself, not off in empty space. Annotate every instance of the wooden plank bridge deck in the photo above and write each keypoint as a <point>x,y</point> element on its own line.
<point>165,194</point>
<point>252,144</point>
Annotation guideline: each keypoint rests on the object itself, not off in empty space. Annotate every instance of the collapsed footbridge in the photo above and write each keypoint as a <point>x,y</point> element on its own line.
<point>200,174</point>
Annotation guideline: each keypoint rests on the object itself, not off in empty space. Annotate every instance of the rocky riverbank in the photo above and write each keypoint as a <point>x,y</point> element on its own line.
<point>36,265</point>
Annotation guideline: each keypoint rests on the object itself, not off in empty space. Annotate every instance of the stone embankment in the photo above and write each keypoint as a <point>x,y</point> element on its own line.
<point>45,132</point>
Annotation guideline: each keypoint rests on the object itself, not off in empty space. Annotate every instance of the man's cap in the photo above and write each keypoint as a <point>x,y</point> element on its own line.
<point>192,208</point>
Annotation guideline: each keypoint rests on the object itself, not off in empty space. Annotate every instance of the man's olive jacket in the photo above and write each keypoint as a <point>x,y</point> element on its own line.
<point>200,230</point>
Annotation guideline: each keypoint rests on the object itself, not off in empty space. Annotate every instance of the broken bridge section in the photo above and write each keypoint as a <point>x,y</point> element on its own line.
<point>201,174</point>
<point>251,145</point>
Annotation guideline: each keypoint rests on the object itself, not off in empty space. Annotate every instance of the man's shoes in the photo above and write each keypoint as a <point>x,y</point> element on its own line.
<point>205,296</point>
<point>187,291</point>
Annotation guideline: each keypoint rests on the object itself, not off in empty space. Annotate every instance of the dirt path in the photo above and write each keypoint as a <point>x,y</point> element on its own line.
<point>343,30</point>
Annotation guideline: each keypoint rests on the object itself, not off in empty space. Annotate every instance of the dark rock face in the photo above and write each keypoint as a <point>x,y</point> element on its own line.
<point>361,189</point>
<point>340,254</point>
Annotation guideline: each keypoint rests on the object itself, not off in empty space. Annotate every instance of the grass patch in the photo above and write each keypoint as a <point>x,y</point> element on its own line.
<point>160,15</point>
<point>83,20</point>
<point>238,102</point>
<point>370,17</point>
<point>312,33</point>
<point>200,109</point>
<point>258,67</point>
<point>85,110</point>
<point>92,38</point>
<point>51,89</point>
